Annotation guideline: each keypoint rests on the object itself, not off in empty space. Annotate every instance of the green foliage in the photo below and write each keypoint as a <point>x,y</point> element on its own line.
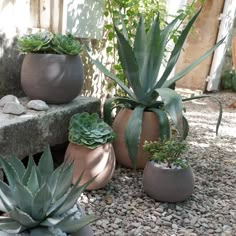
<point>125,15</point>
<point>167,151</point>
<point>149,85</point>
<point>229,80</point>
<point>47,42</point>
<point>89,130</point>
<point>39,200</point>
<point>38,42</point>
<point>65,44</point>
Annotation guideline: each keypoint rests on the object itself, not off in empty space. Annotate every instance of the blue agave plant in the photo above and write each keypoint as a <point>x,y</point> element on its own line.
<point>39,200</point>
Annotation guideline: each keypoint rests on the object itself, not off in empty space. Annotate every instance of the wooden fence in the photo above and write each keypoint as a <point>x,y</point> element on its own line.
<point>31,14</point>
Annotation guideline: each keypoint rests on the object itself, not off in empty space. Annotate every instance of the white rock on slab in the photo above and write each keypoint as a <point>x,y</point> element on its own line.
<point>13,108</point>
<point>38,105</point>
<point>8,98</point>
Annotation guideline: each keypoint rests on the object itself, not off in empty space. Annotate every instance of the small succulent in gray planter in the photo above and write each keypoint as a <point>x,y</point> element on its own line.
<point>39,200</point>
<point>167,177</point>
<point>52,69</point>
<point>90,149</point>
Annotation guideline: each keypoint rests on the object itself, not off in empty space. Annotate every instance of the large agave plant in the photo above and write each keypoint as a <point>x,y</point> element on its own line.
<point>150,87</point>
<point>39,200</point>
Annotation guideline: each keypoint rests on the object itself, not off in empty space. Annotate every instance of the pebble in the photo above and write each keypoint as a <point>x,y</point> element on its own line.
<point>117,221</point>
<point>13,108</point>
<point>193,221</point>
<point>174,226</point>
<point>37,105</point>
<point>8,98</point>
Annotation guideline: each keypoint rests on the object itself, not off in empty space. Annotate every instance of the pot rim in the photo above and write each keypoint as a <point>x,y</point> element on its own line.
<point>52,54</point>
<point>84,146</point>
<point>152,164</point>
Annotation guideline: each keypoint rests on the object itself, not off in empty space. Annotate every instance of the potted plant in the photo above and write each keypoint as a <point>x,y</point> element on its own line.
<point>90,149</point>
<point>149,96</point>
<point>52,69</point>
<point>167,177</point>
<point>39,200</point>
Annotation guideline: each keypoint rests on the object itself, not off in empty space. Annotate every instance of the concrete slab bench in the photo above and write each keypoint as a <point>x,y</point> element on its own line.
<point>31,132</point>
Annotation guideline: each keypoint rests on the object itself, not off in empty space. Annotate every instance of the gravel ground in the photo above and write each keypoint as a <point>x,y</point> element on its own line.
<point>126,210</point>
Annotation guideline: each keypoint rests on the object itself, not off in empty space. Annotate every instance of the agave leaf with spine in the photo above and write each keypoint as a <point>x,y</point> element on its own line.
<point>149,87</point>
<point>29,210</point>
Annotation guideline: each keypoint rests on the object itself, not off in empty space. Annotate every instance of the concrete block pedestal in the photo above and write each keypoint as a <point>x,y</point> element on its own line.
<point>29,133</point>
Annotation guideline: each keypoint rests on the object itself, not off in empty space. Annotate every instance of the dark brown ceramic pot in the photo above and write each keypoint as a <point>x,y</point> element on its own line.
<point>168,185</point>
<point>52,78</point>
<point>149,132</point>
<point>99,161</point>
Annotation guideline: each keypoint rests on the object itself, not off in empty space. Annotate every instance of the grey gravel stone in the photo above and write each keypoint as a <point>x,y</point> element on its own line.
<point>8,98</point>
<point>37,105</point>
<point>13,108</point>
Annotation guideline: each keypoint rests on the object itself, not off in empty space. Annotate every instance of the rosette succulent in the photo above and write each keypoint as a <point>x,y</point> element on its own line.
<point>39,200</point>
<point>89,130</point>
<point>47,42</point>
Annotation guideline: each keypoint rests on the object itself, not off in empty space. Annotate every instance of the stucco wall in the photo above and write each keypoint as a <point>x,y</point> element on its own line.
<point>10,64</point>
<point>199,41</point>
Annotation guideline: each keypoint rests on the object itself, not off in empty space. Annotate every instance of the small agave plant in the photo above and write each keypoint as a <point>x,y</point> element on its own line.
<point>39,200</point>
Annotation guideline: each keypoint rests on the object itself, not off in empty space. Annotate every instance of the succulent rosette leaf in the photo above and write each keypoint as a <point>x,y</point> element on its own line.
<point>89,130</point>
<point>35,42</point>
<point>47,42</point>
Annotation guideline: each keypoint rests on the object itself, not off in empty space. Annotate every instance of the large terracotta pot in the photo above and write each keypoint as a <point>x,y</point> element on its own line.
<point>150,132</point>
<point>168,185</point>
<point>99,161</point>
<point>52,78</point>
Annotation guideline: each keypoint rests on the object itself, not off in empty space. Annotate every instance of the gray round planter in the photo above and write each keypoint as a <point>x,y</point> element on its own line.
<point>52,78</point>
<point>168,185</point>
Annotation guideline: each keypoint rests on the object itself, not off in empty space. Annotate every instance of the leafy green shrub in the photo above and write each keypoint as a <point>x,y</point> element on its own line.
<point>89,130</point>
<point>167,151</point>
<point>125,15</point>
<point>40,200</point>
<point>47,42</point>
<point>229,80</point>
